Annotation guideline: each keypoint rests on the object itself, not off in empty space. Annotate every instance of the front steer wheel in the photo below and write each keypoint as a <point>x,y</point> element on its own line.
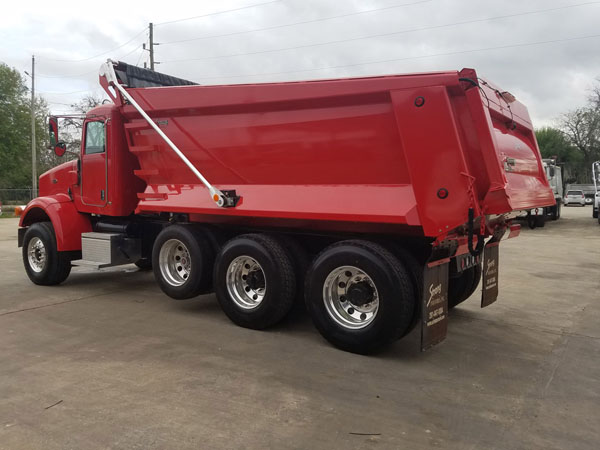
<point>360,296</point>
<point>182,260</point>
<point>44,264</point>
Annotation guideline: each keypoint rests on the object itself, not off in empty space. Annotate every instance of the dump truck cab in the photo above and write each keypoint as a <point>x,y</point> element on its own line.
<point>107,182</point>
<point>102,180</point>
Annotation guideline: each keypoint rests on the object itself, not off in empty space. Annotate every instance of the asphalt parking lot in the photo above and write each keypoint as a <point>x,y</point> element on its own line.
<point>108,361</point>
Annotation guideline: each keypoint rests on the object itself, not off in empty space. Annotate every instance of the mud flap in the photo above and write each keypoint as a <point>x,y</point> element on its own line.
<point>489,292</point>
<point>434,304</point>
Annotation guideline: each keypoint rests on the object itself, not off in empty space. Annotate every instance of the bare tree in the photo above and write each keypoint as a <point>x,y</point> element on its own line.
<point>582,129</point>
<point>70,133</point>
<point>72,127</point>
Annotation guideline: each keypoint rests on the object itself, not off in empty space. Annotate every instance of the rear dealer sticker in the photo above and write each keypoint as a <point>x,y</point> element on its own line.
<point>489,293</point>
<point>434,320</point>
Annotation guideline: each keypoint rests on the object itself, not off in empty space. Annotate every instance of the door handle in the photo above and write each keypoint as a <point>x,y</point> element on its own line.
<point>102,194</point>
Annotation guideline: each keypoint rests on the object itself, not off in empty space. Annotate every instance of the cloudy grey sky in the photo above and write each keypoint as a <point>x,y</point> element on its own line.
<point>544,51</point>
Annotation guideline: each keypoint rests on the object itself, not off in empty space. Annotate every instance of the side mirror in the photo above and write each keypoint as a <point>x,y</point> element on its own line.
<point>59,147</point>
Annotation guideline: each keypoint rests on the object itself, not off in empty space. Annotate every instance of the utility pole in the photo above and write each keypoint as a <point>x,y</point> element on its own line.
<point>151,34</point>
<point>33,152</point>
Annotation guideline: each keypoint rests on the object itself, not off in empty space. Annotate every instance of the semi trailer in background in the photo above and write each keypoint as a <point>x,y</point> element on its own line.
<point>380,202</point>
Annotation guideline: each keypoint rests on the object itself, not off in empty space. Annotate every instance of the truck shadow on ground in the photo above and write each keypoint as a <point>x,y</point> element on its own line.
<point>117,277</point>
<point>296,323</point>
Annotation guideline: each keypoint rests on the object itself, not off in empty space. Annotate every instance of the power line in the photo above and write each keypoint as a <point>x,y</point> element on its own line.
<point>67,76</point>
<point>218,12</point>
<point>98,55</point>
<point>139,58</point>
<point>526,44</point>
<point>66,93</point>
<point>371,36</point>
<point>85,73</point>
<point>274,27</point>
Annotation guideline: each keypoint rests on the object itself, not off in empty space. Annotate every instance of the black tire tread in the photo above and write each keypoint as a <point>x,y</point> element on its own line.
<point>278,250</point>
<point>462,287</point>
<point>404,285</point>
<point>59,263</point>
<point>300,260</point>
<point>203,283</point>
<point>415,270</point>
<point>276,310</point>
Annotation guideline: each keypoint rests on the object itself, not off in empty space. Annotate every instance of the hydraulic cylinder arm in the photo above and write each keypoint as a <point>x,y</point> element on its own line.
<point>223,199</point>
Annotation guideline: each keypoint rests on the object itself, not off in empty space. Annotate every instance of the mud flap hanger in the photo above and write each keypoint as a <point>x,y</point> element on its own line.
<point>475,251</point>
<point>224,199</point>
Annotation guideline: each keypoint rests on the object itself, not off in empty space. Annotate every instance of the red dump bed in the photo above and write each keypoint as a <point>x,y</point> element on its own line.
<point>406,153</point>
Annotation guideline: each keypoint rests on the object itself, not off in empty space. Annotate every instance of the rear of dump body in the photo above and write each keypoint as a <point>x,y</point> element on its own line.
<point>407,154</point>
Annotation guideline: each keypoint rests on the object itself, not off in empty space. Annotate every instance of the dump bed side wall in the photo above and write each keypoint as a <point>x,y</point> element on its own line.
<point>292,155</point>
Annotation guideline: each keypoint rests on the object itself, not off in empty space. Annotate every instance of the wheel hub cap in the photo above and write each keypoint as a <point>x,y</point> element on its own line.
<point>174,261</point>
<point>350,297</point>
<point>246,282</point>
<point>36,254</point>
<point>360,294</point>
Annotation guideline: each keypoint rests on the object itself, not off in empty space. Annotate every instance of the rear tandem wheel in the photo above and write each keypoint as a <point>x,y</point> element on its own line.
<point>255,280</point>
<point>359,295</point>
<point>182,260</point>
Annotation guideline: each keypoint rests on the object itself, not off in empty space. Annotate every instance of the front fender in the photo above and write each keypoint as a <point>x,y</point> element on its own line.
<point>59,209</point>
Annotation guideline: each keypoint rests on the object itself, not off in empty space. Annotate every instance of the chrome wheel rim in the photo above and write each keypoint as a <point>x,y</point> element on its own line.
<point>36,254</point>
<point>246,282</point>
<point>351,297</point>
<point>175,262</point>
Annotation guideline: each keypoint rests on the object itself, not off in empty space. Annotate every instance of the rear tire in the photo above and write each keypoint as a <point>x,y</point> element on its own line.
<point>540,221</point>
<point>44,264</point>
<point>460,288</point>
<point>254,280</point>
<point>555,214</point>
<point>360,296</point>
<point>415,270</point>
<point>595,213</point>
<point>300,262</point>
<point>182,259</point>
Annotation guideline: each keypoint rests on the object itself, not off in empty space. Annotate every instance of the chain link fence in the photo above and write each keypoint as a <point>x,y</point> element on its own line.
<point>16,196</point>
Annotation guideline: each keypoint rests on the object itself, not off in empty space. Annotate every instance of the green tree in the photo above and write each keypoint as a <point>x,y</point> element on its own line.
<point>554,144</point>
<point>15,129</point>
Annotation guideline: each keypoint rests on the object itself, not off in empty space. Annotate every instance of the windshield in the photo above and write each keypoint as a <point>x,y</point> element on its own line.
<point>575,193</point>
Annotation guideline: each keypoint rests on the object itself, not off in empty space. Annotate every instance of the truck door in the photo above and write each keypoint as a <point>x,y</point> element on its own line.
<point>94,164</point>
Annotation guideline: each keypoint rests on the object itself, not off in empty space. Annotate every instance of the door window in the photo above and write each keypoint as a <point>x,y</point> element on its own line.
<point>94,138</point>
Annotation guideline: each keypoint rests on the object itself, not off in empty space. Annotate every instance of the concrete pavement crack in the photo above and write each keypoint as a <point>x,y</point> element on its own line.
<point>57,303</point>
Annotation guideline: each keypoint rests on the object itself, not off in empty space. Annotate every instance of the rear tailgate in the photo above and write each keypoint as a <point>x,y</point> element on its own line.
<point>516,176</point>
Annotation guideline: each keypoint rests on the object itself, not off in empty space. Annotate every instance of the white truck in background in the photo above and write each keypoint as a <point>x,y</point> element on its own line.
<point>537,217</point>
<point>596,178</point>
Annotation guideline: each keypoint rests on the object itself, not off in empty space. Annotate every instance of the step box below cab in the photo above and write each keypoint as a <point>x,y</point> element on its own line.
<point>100,250</point>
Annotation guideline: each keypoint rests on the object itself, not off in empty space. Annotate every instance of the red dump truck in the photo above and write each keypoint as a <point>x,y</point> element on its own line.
<point>378,201</point>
